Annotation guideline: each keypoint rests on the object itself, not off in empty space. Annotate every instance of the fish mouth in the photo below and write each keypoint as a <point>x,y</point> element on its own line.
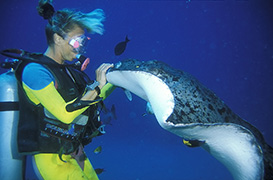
<point>147,86</point>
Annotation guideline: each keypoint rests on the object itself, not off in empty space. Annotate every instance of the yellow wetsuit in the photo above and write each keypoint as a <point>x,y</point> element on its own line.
<point>51,167</point>
<point>39,85</point>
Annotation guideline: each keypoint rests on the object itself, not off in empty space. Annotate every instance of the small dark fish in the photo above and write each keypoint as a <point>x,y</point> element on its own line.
<point>120,47</point>
<point>99,170</point>
<point>108,115</point>
<point>113,112</point>
<point>98,150</point>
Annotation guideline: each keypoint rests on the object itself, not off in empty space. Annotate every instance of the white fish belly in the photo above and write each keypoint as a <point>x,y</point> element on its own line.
<point>231,144</point>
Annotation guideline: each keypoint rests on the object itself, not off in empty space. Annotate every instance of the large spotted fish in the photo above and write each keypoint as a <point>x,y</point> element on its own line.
<point>183,106</point>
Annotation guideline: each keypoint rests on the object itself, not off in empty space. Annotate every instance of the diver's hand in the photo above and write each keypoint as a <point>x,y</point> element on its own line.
<point>101,73</point>
<point>101,78</point>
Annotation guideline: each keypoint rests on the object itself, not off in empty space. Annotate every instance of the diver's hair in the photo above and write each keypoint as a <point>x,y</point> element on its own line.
<point>64,21</point>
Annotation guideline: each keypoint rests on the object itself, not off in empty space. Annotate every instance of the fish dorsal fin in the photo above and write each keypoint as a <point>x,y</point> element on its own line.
<point>127,39</point>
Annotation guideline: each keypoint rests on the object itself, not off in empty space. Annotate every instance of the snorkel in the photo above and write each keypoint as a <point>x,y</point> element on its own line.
<point>82,62</point>
<point>79,45</point>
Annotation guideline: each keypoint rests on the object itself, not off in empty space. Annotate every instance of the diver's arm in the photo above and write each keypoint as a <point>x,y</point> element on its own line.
<point>39,86</point>
<point>50,98</point>
<point>101,78</point>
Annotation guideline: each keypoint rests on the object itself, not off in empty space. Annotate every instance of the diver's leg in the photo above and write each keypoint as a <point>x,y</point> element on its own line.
<point>79,156</point>
<point>51,167</point>
<point>84,163</point>
<point>35,168</point>
<point>89,170</point>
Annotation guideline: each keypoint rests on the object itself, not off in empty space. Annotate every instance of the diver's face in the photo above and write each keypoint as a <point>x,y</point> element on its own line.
<point>68,52</point>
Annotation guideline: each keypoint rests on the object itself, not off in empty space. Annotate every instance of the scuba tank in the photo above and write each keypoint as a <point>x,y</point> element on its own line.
<point>11,162</point>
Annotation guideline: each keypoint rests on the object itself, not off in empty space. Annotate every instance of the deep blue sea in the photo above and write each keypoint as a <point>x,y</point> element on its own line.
<point>226,44</point>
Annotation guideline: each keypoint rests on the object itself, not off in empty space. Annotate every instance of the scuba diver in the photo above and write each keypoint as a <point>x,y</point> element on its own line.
<point>58,102</point>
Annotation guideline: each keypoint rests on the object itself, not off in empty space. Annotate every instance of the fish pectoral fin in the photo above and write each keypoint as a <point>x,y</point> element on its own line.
<point>193,143</point>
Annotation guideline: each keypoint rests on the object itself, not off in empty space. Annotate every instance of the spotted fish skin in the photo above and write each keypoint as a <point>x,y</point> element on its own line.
<point>197,108</point>
<point>194,102</point>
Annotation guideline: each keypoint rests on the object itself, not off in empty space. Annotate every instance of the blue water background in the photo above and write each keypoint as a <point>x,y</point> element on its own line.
<point>227,45</point>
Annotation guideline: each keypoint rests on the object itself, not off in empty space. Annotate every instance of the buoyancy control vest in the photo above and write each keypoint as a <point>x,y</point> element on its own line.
<point>42,133</point>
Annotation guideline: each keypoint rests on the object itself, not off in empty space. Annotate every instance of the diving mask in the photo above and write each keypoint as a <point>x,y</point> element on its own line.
<point>79,43</point>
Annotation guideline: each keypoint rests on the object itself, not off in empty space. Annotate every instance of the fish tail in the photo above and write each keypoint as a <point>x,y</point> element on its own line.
<point>127,39</point>
<point>268,162</point>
